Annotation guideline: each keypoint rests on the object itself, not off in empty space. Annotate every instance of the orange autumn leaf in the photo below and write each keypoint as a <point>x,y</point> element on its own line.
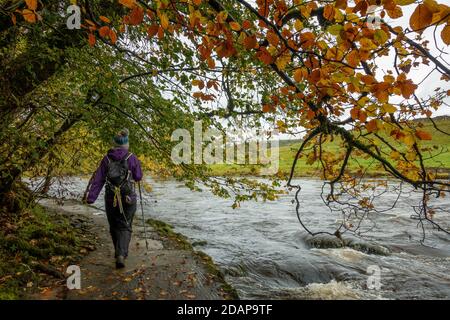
<point>211,63</point>
<point>250,42</point>
<point>266,108</point>
<point>272,38</point>
<point>29,15</point>
<point>92,39</point>
<point>368,79</point>
<point>104,31</point>
<point>264,56</point>
<point>152,30</point>
<point>246,24</point>
<point>407,88</point>
<point>314,76</point>
<point>136,16</point>
<point>353,58</point>
<point>423,135</point>
<point>128,3</point>
<point>354,113</point>
<point>298,75</point>
<point>310,115</point>
<point>32,4</point>
<point>105,19</point>
<point>341,4</point>
<point>421,18</point>
<point>372,125</point>
<point>357,113</point>
<point>307,39</point>
<point>328,12</point>
<point>113,36</point>
<point>197,2</point>
<point>235,26</point>
<point>445,34</point>
<point>362,116</point>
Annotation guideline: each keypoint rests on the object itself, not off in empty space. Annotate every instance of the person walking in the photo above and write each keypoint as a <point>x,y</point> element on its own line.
<point>119,170</point>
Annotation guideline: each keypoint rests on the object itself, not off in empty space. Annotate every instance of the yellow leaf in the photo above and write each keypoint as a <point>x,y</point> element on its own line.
<point>432,5</point>
<point>395,155</point>
<point>298,25</point>
<point>380,36</point>
<point>388,108</point>
<point>421,18</point>
<point>404,2</point>
<point>164,21</point>
<point>445,34</point>
<point>281,126</point>
<point>32,4</point>
<point>409,139</point>
<point>283,60</point>
<point>362,102</point>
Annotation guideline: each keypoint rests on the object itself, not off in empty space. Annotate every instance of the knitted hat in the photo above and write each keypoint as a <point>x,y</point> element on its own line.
<point>121,138</point>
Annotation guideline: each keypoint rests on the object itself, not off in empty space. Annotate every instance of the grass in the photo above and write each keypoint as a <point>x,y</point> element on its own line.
<point>288,148</point>
<point>34,245</point>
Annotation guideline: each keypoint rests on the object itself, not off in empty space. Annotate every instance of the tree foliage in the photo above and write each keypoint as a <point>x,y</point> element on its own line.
<point>324,66</point>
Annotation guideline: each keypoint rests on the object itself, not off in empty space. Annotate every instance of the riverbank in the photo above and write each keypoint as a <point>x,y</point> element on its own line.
<point>170,269</point>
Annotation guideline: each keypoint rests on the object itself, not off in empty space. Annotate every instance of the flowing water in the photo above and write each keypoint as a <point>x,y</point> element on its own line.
<point>265,254</point>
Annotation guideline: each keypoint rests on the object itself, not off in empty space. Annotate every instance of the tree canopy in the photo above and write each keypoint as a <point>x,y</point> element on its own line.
<point>338,70</point>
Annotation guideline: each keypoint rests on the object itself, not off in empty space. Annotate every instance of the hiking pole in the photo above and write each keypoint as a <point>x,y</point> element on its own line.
<point>143,219</point>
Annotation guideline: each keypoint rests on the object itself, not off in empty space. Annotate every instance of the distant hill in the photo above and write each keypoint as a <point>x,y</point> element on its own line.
<point>288,149</point>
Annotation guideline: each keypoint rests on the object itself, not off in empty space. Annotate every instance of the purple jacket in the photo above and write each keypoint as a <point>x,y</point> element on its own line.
<point>99,177</point>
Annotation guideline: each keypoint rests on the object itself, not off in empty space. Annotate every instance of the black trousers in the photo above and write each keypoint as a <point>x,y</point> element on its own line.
<point>120,224</point>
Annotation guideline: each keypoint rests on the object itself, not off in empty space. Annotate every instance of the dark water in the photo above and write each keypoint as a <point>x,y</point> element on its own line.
<point>265,253</point>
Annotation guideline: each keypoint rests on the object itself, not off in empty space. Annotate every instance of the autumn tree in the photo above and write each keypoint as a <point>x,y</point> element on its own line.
<point>339,69</point>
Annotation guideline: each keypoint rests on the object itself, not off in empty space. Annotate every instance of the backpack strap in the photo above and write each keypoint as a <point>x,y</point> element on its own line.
<point>128,156</point>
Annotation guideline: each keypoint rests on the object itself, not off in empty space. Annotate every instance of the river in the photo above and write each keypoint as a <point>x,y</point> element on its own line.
<point>265,254</point>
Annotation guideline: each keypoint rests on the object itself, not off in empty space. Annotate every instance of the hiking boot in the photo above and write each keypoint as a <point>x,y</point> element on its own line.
<point>120,262</point>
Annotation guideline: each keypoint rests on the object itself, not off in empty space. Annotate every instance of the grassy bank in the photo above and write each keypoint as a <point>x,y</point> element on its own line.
<point>439,146</point>
<point>36,246</point>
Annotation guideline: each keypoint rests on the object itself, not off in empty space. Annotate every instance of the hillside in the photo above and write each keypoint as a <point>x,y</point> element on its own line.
<point>439,159</point>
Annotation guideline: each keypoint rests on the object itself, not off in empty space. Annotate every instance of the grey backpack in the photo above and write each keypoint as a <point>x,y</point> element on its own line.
<point>119,176</point>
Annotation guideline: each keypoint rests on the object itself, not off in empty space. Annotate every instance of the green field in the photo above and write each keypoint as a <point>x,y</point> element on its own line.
<point>437,158</point>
